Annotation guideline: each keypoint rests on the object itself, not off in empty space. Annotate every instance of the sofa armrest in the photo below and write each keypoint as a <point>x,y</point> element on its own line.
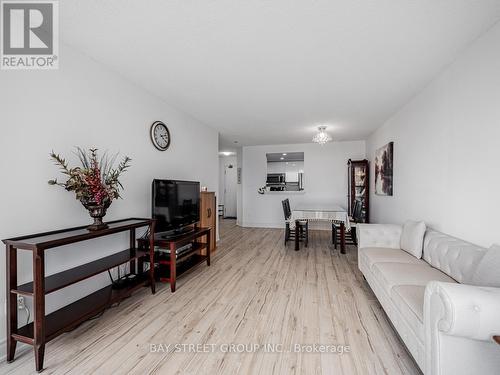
<point>469,311</point>
<point>460,322</point>
<point>379,235</point>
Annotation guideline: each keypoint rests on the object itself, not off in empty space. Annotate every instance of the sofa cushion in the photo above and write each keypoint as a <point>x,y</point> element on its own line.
<point>487,272</point>
<point>457,258</point>
<point>374,255</point>
<point>390,275</point>
<point>412,238</point>
<point>409,300</point>
<point>379,235</point>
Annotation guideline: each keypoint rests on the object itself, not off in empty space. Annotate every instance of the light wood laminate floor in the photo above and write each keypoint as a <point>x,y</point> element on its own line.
<point>256,292</point>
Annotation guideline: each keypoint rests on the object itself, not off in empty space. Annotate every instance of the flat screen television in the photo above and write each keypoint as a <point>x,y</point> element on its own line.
<point>175,205</point>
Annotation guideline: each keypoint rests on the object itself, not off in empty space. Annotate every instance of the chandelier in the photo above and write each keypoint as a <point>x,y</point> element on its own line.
<point>321,136</point>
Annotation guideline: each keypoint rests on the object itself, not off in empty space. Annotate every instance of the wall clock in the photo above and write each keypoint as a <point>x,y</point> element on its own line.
<point>160,136</point>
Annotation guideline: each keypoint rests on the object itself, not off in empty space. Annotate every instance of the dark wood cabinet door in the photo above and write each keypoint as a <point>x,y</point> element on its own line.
<point>358,187</point>
<point>208,216</point>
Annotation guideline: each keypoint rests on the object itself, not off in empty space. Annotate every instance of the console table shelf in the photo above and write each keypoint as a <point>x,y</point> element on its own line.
<point>62,279</point>
<point>70,316</point>
<point>46,327</point>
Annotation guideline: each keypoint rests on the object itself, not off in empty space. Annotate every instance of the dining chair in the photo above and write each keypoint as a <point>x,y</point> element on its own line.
<point>356,218</point>
<point>302,230</point>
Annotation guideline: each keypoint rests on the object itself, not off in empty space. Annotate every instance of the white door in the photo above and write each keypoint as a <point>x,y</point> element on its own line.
<point>230,190</point>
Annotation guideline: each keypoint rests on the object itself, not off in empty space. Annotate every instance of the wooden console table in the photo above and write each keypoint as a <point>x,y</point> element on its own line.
<point>198,253</point>
<point>46,327</point>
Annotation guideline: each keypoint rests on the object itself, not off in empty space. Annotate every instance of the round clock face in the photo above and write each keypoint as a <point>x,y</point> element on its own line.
<point>160,136</point>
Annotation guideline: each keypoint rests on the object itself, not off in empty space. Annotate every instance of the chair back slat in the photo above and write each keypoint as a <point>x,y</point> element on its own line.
<point>287,212</point>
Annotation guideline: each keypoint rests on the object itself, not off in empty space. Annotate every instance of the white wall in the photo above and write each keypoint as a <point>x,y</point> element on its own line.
<point>84,104</point>
<point>447,150</point>
<point>325,179</point>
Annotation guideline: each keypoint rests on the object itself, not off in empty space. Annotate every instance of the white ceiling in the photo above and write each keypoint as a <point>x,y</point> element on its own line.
<point>266,72</point>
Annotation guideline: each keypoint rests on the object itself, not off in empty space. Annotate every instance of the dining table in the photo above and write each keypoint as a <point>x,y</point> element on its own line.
<point>322,212</point>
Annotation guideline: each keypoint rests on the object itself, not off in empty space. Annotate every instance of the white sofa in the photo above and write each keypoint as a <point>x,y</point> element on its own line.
<point>445,324</point>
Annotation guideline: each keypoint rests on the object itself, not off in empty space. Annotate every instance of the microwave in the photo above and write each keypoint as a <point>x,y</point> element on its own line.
<point>275,178</point>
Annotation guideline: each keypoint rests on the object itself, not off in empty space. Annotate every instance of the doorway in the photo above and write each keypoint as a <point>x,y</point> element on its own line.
<point>230,182</point>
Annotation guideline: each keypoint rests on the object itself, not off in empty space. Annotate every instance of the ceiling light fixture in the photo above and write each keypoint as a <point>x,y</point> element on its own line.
<point>284,154</point>
<point>321,136</point>
<point>282,158</point>
<point>226,153</point>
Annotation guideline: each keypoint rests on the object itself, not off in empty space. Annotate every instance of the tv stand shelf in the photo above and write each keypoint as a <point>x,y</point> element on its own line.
<point>46,327</point>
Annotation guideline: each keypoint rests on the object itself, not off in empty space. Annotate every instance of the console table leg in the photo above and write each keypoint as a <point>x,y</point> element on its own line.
<point>11,272</point>
<point>11,349</point>
<point>39,307</point>
<point>173,267</point>
<point>39,354</point>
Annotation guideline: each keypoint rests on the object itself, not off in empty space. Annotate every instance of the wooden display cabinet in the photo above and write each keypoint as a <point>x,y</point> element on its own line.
<point>359,187</point>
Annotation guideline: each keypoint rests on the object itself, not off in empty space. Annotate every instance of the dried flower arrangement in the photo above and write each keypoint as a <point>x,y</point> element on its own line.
<point>96,183</point>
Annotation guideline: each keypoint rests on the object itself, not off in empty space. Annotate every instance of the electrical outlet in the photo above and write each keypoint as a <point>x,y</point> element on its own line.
<point>20,302</point>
